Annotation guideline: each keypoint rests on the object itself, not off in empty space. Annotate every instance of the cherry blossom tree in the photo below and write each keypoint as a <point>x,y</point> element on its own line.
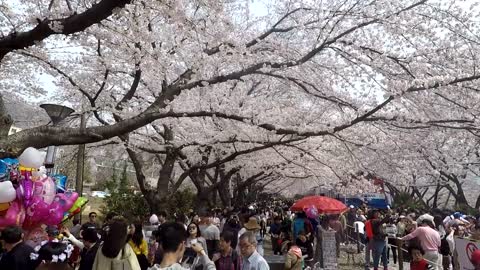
<point>296,84</point>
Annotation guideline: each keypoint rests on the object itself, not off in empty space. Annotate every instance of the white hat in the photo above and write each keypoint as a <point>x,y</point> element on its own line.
<point>153,219</point>
<point>426,217</point>
<point>351,206</point>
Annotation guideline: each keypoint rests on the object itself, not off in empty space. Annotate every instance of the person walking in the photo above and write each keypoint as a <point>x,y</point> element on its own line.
<point>194,237</point>
<point>379,245</point>
<point>275,231</point>
<point>255,228</point>
<point>91,244</point>
<point>18,253</point>
<point>140,246</point>
<point>252,260</point>
<point>293,260</point>
<point>351,218</point>
<point>173,237</point>
<point>391,231</point>
<point>92,222</point>
<point>227,258</point>
<point>418,262</point>
<point>429,240</point>
<point>211,233</point>
<point>116,253</point>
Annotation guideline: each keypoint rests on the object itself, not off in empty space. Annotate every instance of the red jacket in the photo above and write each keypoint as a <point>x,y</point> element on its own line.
<point>421,265</point>
<point>368,229</point>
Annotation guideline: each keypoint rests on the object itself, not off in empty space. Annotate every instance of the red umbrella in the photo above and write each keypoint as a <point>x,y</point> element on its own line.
<point>324,205</point>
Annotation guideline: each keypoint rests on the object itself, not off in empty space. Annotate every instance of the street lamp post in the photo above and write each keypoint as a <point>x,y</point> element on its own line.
<point>57,113</point>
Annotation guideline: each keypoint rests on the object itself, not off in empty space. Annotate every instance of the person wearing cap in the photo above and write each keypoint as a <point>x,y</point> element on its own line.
<point>455,219</point>
<point>429,240</point>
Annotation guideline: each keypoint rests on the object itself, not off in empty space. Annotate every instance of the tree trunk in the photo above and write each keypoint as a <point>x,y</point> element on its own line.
<point>5,119</point>
<point>420,197</point>
<point>166,173</point>
<point>461,198</point>
<point>477,203</point>
<point>435,195</point>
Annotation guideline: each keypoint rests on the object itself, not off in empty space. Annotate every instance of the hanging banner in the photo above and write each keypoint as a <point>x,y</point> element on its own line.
<point>465,249</point>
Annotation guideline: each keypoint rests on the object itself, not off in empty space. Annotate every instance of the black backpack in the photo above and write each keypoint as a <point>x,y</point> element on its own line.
<point>444,246</point>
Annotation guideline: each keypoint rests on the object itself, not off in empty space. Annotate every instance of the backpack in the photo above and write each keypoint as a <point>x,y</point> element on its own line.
<point>444,246</point>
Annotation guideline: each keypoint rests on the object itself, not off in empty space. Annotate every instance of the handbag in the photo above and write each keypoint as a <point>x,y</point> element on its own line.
<point>122,263</point>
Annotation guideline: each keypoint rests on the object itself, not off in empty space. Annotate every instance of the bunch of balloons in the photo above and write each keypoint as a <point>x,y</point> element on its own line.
<point>30,198</point>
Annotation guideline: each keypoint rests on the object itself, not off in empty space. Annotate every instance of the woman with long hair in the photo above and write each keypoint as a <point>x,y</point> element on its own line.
<point>139,246</point>
<point>116,253</point>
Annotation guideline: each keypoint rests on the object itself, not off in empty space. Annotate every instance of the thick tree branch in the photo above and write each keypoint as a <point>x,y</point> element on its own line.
<point>65,26</point>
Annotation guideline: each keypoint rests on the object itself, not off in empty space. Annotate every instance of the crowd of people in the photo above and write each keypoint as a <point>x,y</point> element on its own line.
<point>234,240</point>
<point>426,240</point>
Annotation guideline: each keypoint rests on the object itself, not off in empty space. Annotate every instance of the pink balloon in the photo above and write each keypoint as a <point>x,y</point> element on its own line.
<point>27,186</point>
<point>14,216</point>
<point>36,213</point>
<point>312,212</point>
<point>45,188</point>
<point>61,204</point>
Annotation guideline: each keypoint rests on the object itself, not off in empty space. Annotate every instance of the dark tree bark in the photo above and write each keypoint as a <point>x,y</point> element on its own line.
<point>72,24</point>
<point>459,195</point>
<point>435,195</point>
<point>420,197</point>
<point>5,120</point>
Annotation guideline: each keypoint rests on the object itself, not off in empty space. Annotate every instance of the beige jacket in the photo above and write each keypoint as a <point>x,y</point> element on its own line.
<point>293,262</point>
<point>105,263</point>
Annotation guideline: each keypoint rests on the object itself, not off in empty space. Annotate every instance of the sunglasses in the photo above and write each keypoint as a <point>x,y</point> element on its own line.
<point>192,228</point>
<point>93,216</point>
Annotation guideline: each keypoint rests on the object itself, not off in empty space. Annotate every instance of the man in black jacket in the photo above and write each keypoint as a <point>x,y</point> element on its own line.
<point>18,253</point>
<point>90,240</point>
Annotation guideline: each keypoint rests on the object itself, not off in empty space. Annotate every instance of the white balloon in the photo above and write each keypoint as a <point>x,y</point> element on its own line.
<point>7,192</point>
<point>31,158</point>
<point>40,173</point>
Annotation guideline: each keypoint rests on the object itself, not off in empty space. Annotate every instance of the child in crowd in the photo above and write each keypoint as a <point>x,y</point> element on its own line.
<point>418,262</point>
